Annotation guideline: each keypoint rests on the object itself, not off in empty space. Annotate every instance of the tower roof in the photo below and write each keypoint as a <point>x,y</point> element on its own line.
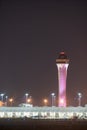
<point>62,55</point>
<point>62,58</point>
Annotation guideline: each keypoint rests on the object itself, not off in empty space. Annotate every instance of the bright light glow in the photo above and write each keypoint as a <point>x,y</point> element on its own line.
<point>1,103</point>
<point>11,100</point>
<point>53,94</point>
<point>45,101</point>
<point>28,100</point>
<point>53,99</point>
<point>79,98</point>
<point>2,94</point>
<point>80,95</point>
<point>26,94</point>
<point>61,101</point>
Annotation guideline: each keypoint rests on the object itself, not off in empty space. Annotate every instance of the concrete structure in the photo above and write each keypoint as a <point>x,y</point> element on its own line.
<point>62,65</point>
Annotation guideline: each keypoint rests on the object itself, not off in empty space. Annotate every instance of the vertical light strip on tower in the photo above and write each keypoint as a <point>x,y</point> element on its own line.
<point>62,65</point>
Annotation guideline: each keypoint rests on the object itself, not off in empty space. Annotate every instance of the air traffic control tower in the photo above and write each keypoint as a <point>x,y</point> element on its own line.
<point>62,64</point>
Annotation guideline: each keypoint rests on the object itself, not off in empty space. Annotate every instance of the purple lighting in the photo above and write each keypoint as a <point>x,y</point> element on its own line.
<point>62,65</point>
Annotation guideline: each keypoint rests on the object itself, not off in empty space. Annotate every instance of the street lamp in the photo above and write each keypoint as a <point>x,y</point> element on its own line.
<point>2,94</point>
<point>26,96</point>
<point>6,100</point>
<point>79,98</point>
<point>53,99</point>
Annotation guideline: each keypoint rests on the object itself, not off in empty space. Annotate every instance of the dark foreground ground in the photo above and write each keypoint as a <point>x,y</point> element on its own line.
<point>37,124</point>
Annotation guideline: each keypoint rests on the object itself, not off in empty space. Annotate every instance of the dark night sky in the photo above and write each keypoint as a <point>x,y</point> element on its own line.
<point>31,36</point>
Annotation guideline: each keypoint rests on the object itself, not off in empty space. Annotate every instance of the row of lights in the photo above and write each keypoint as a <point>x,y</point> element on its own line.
<point>29,99</point>
<point>62,101</point>
<point>53,100</point>
<point>6,97</point>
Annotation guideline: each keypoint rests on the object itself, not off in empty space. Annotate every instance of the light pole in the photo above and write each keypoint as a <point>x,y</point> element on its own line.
<point>6,100</point>
<point>26,96</point>
<point>2,94</point>
<point>53,99</point>
<point>79,99</point>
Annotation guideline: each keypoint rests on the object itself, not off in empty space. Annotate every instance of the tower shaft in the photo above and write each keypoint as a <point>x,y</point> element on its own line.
<point>62,66</point>
<point>62,75</point>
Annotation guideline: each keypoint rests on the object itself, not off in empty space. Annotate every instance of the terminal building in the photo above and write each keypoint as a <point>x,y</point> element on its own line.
<point>44,112</point>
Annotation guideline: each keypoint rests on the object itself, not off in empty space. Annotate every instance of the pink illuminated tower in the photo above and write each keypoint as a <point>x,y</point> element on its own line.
<point>62,65</point>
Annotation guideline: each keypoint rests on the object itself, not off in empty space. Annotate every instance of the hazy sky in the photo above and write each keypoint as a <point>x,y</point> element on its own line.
<point>32,34</point>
